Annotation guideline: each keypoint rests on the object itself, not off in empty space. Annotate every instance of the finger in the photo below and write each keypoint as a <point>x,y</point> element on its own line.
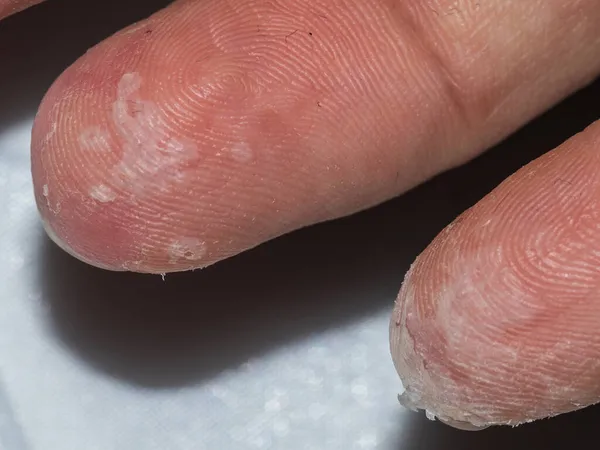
<point>9,7</point>
<point>498,321</point>
<point>214,126</point>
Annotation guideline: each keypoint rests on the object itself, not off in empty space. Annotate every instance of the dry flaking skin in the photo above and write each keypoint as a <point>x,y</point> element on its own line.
<point>413,372</point>
<point>431,352</point>
<point>496,321</point>
<point>419,389</point>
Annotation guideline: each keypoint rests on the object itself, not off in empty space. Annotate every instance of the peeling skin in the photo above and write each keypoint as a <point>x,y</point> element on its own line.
<point>464,426</point>
<point>187,249</point>
<point>95,139</point>
<point>148,147</point>
<point>430,346</point>
<point>46,193</point>
<point>102,193</point>
<point>420,388</point>
<point>50,134</point>
<point>498,325</point>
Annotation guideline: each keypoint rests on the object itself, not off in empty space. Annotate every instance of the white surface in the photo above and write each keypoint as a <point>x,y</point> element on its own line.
<point>333,389</point>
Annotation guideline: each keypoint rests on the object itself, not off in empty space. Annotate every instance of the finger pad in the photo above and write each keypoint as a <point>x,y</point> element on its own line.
<point>151,146</point>
<point>497,320</point>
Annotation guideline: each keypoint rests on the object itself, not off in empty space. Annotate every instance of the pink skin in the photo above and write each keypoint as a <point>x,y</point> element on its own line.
<point>497,321</point>
<point>9,7</point>
<point>215,125</point>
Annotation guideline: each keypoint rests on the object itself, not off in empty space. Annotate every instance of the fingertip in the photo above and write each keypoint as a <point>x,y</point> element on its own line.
<point>463,426</point>
<point>10,7</point>
<point>67,249</point>
<point>141,158</point>
<point>496,322</point>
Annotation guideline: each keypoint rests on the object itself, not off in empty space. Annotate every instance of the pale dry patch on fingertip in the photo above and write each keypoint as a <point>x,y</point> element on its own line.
<point>242,152</point>
<point>49,135</point>
<point>453,327</point>
<point>463,426</point>
<point>132,266</point>
<point>186,249</point>
<point>152,158</point>
<point>403,348</point>
<point>424,389</point>
<point>102,193</point>
<point>53,207</point>
<point>95,139</point>
<point>129,83</point>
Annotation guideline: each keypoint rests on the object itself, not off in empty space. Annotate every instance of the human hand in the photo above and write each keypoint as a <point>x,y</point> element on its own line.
<point>214,126</point>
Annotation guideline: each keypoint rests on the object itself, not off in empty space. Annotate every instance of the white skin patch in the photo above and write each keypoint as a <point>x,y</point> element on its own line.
<point>242,152</point>
<point>149,149</point>
<point>50,133</point>
<point>102,193</point>
<point>46,193</point>
<point>188,249</point>
<point>94,139</point>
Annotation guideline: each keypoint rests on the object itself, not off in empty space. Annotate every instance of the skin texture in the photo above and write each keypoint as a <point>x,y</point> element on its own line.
<point>497,321</point>
<point>216,125</point>
<point>9,7</point>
